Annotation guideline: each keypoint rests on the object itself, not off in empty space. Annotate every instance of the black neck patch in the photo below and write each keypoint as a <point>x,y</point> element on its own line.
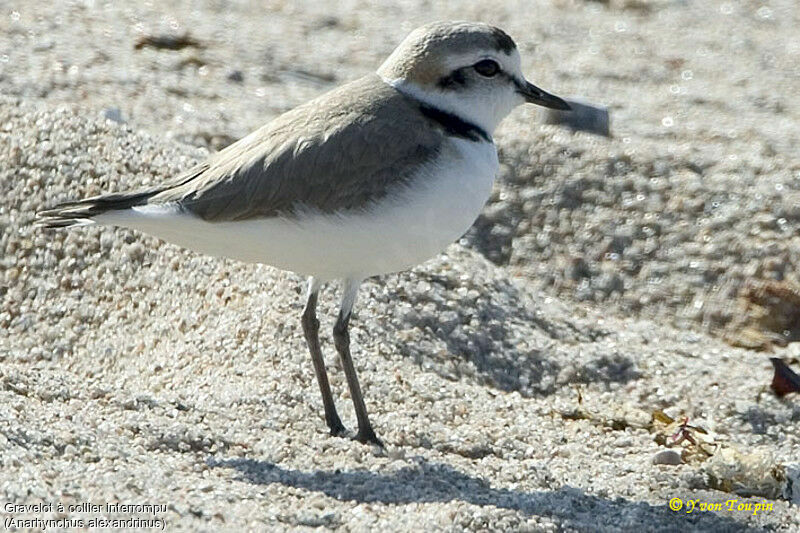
<point>453,125</point>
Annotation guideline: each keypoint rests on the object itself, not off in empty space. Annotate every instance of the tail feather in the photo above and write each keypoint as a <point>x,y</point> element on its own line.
<point>82,212</point>
<point>54,222</point>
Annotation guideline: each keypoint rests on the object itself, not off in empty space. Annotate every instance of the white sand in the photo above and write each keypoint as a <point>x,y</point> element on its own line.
<point>137,372</point>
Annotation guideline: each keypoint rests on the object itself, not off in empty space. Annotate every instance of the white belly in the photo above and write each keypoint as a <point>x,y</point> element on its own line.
<point>399,232</point>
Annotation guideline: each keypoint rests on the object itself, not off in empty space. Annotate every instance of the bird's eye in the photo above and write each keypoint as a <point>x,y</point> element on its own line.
<point>487,68</point>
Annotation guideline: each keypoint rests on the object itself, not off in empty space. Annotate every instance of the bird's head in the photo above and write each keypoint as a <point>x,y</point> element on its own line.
<point>469,69</point>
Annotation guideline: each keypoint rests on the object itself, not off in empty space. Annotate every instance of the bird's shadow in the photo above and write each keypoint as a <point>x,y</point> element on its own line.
<point>425,482</point>
<point>761,419</point>
<point>496,352</point>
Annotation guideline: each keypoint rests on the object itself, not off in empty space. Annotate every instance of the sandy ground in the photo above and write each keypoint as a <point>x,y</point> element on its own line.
<point>517,380</point>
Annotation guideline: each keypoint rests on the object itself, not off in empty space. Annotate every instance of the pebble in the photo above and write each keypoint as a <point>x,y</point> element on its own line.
<point>667,457</point>
<point>583,116</point>
<point>236,76</point>
<point>113,114</point>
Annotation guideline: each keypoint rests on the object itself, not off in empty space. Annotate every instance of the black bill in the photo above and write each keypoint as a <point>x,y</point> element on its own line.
<point>534,95</point>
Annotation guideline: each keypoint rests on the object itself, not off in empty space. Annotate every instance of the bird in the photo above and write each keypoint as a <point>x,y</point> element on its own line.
<point>370,178</point>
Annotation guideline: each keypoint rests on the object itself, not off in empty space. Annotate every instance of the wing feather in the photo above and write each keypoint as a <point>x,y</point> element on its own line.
<point>342,151</point>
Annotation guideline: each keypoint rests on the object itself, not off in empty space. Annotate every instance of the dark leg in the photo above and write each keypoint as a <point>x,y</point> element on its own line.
<point>341,337</point>
<point>311,330</point>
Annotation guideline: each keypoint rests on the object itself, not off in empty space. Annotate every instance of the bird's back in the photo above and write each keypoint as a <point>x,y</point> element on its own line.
<point>341,151</point>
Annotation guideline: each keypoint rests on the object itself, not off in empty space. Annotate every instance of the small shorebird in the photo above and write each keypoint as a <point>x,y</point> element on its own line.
<point>373,177</point>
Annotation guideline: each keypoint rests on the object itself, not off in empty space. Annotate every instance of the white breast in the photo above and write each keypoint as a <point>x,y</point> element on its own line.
<point>405,229</point>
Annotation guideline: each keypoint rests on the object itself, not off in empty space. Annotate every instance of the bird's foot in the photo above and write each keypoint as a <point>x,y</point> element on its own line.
<point>337,428</point>
<point>367,436</point>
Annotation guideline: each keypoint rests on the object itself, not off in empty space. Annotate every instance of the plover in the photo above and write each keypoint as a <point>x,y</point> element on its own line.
<point>373,177</point>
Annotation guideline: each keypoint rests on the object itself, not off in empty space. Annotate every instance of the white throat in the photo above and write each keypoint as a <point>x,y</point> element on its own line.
<point>484,114</point>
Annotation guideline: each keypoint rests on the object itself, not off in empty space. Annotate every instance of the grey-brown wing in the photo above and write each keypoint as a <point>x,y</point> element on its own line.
<point>342,151</point>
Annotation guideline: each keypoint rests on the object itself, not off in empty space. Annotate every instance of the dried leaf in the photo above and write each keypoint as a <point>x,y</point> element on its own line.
<point>662,417</point>
<point>784,381</point>
<point>167,42</point>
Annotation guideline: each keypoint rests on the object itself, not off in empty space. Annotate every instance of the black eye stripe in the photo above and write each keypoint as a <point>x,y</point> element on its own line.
<point>455,78</point>
<point>488,68</point>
